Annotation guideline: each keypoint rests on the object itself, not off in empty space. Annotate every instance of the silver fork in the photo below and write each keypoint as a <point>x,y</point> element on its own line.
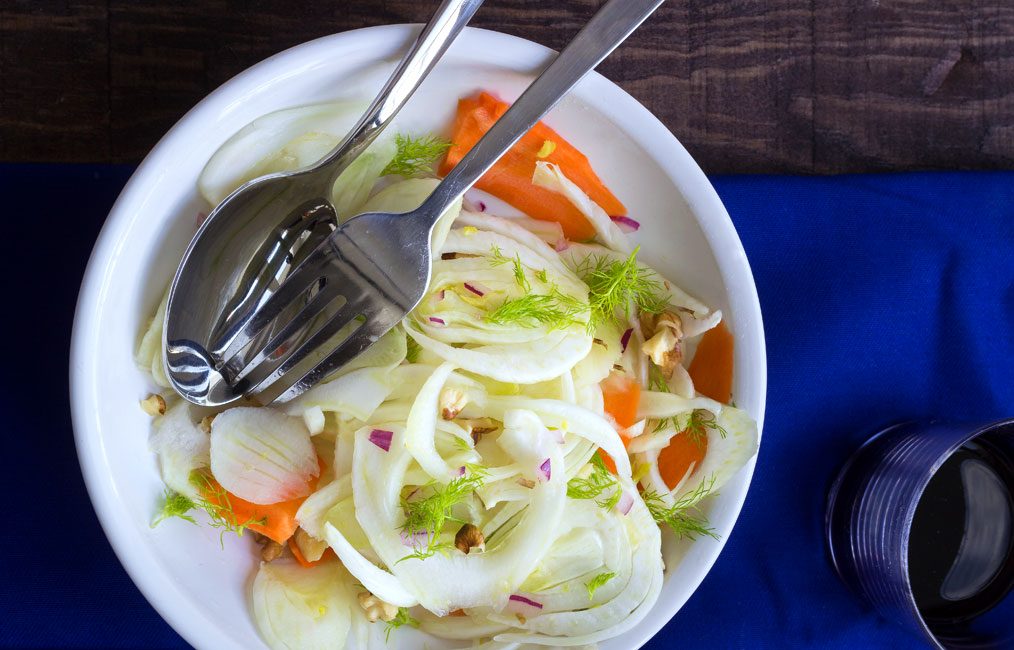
<point>259,233</point>
<point>377,265</point>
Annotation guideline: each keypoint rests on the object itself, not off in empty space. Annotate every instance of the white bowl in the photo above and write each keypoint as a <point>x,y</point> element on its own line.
<point>200,589</point>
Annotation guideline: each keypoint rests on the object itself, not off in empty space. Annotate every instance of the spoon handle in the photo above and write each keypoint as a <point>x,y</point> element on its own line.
<point>445,25</point>
<point>603,33</point>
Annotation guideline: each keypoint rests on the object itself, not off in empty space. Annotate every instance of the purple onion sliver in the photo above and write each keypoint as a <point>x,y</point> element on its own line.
<point>526,601</point>
<point>625,339</point>
<point>626,224</point>
<point>482,206</point>
<point>474,290</point>
<point>438,321</point>
<point>625,503</point>
<point>561,245</point>
<point>382,438</point>
<point>546,468</point>
<point>461,471</point>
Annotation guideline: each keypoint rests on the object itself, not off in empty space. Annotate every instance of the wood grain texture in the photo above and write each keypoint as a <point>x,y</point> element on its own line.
<point>809,86</point>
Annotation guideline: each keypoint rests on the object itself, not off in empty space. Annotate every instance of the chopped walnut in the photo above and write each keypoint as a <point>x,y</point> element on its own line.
<point>469,537</point>
<point>153,405</point>
<point>376,609</point>
<point>664,345</point>
<point>311,548</point>
<point>452,400</point>
<point>206,423</point>
<point>271,551</point>
<point>480,426</point>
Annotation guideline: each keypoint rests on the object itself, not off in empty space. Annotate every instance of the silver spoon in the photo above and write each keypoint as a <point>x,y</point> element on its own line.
<point>376,267</point>
<point>254,238</point>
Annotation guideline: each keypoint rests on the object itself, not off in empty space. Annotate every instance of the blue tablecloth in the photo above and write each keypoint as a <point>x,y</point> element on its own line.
<point>884,297</point>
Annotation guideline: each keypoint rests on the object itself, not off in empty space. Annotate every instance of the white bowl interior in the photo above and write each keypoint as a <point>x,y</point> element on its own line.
<point>685,233</point>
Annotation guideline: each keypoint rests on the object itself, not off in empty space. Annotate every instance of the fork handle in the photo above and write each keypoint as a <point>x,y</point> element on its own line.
<point>438,34</point>
<point>603,33</point>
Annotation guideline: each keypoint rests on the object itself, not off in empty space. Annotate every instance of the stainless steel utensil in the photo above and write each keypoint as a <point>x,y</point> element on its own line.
<point>375,268</point>
<point>260,232</point>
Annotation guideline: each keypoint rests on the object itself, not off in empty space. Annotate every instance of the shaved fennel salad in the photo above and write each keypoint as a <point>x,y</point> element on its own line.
<point>498,470</point>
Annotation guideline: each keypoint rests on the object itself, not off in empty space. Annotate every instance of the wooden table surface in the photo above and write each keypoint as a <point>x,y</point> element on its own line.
<point>815,86</point>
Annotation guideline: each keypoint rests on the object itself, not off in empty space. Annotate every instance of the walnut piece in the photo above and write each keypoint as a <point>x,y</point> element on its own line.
<point>452,400</point>
<point>480,426</point>
<point>469,537</point>
<point>664,344</point>
<point>376,609</point>
<point>206,423</point>
<point>271,551</point>
<point>153,405</point>
<point>310,547</point>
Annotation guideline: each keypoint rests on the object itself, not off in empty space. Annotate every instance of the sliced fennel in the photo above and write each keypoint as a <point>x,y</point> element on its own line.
<point>297,608</point>
<point>261,455</point>
<point>181,447</point>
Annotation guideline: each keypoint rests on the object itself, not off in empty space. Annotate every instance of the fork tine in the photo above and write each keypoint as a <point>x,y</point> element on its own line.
<point>347,350</point>
<point>289,249</point>
<point>260,377</point>
<point>299,281</point>
<point>299,321</point>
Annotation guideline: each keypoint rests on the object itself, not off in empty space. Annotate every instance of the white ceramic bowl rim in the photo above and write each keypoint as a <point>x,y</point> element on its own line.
<point>154,581</point>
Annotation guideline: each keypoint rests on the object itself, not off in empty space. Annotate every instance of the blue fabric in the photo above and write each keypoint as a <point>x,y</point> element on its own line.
<point>884,297</point>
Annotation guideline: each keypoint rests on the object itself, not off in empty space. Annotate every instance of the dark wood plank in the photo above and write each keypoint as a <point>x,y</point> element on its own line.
<point>748,85</point>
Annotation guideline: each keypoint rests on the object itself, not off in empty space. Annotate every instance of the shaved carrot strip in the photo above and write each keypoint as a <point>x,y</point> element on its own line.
<point>620,396</point>
<point>279,518</point>
<point>510,179</point>
<point>711,368</point>
<point>682,452</point>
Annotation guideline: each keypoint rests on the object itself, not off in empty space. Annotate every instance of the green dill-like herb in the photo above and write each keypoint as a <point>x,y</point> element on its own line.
<point>542,276</point>
<point>413,350</point>
<point>617,286</point>
<point>556,310</point>
<point>656,380</point>
<point>416,155</point>
<point>683,517</point>
<point>597,582</point>
<point>460,444</point>
<point>429,513</point>
<point>429,550</point>
<point>400,619</point>
<point>215,501</point>
<point>700,421</point>
<point>600,484</point>
<point>497,258</point>
<point>174,504</point>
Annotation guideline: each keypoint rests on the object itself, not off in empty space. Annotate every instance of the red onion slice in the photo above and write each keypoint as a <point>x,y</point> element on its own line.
<point>476,288</point>
<point>517,598</point>
<point>546,469</point>
<point>625,503</point>
<point>561,245</point>
<point>625,339</point>
<point>382,438</point>
<point>413,540</point>
<point>626,224</point>
<point>437,321</point>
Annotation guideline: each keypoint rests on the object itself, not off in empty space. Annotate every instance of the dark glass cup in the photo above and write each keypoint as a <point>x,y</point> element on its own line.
<point>920,524</point>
